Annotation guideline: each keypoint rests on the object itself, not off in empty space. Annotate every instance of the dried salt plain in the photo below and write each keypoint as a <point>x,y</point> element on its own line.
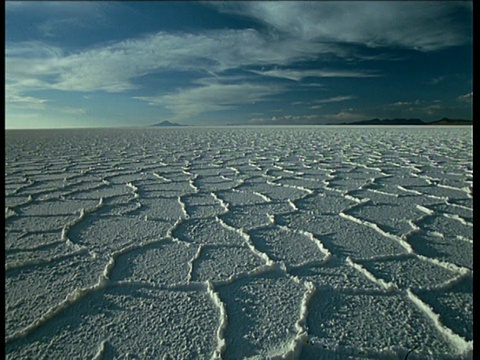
<point>237,243</point>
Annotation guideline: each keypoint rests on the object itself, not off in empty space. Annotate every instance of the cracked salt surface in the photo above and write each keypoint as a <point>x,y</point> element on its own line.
<point>233,243</point>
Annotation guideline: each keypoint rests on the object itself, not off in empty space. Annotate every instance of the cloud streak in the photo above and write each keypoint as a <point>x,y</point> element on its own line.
<point>335,99</point>
<point>33,66</point>
<point>298,75</point>
<point>212,97</point>
<point>112,68</point>
<point>424,26</point>
<point>468,98</point>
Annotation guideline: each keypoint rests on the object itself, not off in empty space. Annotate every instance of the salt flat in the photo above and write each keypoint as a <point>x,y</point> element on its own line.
<point>233,243</point>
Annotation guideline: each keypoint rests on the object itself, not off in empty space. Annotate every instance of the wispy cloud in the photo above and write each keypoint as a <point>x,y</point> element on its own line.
<point>25,102</point>
<point>466,98</point>
<point>212,97</point>
<point>112,68</point>
<point>53,17</point>
<point>14,99</point>
<point>437,79</point>
<point>72,111</point>
<point>425,26</point>
<point>347,115</point>
<point>285,119</point>
<point>335,99</point>
<point>423,109</point>
<point>297,75</point>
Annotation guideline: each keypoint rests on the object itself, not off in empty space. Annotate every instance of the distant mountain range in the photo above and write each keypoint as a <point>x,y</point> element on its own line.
<point>444,121</point>
<point>376,122</point>
<point>166,123</point>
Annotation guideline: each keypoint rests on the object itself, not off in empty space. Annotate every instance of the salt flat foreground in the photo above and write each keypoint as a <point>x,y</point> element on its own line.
<point>234,243</point>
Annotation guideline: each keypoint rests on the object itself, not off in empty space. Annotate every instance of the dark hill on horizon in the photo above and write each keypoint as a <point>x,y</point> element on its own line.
<point>373,122</point>
<point>447,121</point>
<point>443,121</point>
<point>377,121</point>
<point>166,123</point>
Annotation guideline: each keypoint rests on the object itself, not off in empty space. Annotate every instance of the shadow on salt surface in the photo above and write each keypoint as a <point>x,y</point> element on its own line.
<point>343,237</point>
<point>240,197</point>
<point>391,214</point>
<point>253,216</point>
<point>454,305</point>
<point>373,326</point>
<point>40,253</point>
<point>97,191</point>
<point>448,227</point>
<point>135,321</point>
<point>18,240</point>
<point>161,208</point>
<point>261,312</point>
<point>409,271</point>
<point>286,246</point>
<point>325,203</point>
<point>38,223</point>
<point>206,231</point>
<point>336,274</point>
<point>274,192</point>
<point>216,183</point>
<point>57,207</point>
<point>456,251</point>
<point>313,184</point>
<point>346,183</point>
<point>204,211</point>
<point>443,208</point>
<point>165,190</point>
<point>202,205</point>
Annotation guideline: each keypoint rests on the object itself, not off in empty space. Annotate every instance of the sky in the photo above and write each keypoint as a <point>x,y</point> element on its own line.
<point>133,63</point>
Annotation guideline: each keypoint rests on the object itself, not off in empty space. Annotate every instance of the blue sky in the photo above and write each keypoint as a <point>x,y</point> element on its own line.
<point>101,64</point>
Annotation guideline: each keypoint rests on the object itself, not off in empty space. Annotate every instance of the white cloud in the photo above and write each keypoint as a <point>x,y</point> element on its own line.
<point>212,97</point>
<point>298,75</point>
<point>466,98</point>
<point>33,66</point>
<point>424,26</point>
<point>286,119</point>
<point>112,68</point>
<point>53,17</point>
<point>437,79</point>
<point>335,99</point>
<point>72,111</point>
<point>423,109</point>
<point>347,115</point>
<point>26,102</point>
<point>14,99</point>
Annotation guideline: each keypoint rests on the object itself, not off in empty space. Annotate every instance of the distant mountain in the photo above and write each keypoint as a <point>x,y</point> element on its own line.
<point>444,121</point>
<point>166,123</point>
<point>388,122</point>
<point>447,121</point>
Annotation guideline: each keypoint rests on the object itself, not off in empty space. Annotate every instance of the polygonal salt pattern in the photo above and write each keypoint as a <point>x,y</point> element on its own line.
<point>232,243</point>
